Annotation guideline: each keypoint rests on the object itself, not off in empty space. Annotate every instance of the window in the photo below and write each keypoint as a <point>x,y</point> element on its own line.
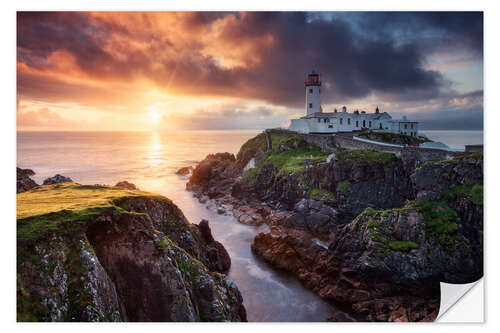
<point>330,126</point>
<point>319,120</point>
<point>411,126</point>
<point>341,121</point>
<point>357,123</point>
<point>406,126</point>
<point>310,91</point>
<point>310,105</point>
<point>324,120</point>
<point>380,126</point>
<point>364,123</point>
<point>348,121</point>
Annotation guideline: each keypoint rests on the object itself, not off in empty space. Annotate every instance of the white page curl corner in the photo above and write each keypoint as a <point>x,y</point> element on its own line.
<point>451,295</point>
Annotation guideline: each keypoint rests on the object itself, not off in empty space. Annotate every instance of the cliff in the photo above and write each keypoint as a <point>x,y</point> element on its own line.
<point>357,226</point>
<point>98,253</point>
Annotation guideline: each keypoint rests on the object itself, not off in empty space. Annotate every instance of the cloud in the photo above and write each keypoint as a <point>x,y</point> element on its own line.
<point>228,116</point>
<point>259,56</point>
<point>45,119</point>
<point>458,112</point>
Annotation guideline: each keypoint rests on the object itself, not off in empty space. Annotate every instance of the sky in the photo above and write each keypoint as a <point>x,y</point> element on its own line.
<point>150,71</point>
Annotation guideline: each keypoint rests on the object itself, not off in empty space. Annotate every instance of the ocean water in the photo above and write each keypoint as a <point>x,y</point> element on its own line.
<point>455,139</point>
<point>150,161</point>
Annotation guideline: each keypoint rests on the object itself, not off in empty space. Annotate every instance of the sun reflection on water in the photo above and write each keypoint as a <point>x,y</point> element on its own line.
<point>156,151</point>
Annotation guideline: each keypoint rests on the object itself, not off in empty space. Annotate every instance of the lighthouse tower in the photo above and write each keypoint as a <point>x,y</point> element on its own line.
<point>313,94</point>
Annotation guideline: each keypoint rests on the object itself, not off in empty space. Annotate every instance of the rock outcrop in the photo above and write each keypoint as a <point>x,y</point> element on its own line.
<point>24,182</point>
<point>123,257</point>
<point>56,180</point>
<point>214,175</point>
<point>184,171</point>
<point>126,185</point>
<point>359,227</point>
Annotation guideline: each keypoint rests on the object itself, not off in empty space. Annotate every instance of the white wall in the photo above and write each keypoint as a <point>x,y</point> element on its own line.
<point>348,124</point>
<point>313,96</point>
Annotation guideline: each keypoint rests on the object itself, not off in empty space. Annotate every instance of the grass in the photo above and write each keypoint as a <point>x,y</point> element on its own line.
<point>322,194</point>
<point>293,160</point>
<point>477,156</point>
<point>344,187</point>
<point>66,206</point>
<point>392,138</point>
<point>471,190</point>
<point>403,246</point>
<point>365,156</point>
<point>440,219</point>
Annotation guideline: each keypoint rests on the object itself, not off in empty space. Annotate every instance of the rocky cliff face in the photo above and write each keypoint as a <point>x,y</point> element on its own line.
<point>388,263</point>
<point>130,257</point>
<point>359,227</point>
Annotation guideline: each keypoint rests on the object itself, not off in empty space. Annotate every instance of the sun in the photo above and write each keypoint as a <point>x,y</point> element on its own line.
<point>155,114</point>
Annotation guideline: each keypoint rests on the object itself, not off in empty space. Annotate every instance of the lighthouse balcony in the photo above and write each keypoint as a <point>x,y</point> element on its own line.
<point>312,83</point>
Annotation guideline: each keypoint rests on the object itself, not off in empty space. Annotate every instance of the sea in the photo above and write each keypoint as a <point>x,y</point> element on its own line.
<point>150,160</point>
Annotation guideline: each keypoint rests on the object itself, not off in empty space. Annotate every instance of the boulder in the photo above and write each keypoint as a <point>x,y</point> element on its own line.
<point>184,171</point>
<point>24,182</point>
<point>126,185</point>
<point>57,179</point>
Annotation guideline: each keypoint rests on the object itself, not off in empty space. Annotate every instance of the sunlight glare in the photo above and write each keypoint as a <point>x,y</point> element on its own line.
<point>155,114</point>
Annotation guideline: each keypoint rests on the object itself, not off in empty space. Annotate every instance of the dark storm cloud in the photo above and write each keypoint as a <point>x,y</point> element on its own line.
<point>281,48</point>
<point>40,34</point>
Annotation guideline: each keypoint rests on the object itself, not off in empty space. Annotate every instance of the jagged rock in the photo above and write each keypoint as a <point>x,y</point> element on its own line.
<point>214,175</point>
<point>313,216</point>
<point>109,256</point>
<point>126,185</point>
<point>218,258</point>
<point>24,182</point>
<point>56,180</point>
<point>184,171</point>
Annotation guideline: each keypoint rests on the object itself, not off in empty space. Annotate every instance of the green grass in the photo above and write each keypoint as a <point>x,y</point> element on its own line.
<point>293,160</point>
<point>471,190</point>
<point>440,220</point>
<point>365,156</point>
<point>66,207</point>
<point>403,246</point>
<point>344,187</point>
<point>392,138</point>
<point>477,194</point>
<point>477,156</point>
<point>322,194</point>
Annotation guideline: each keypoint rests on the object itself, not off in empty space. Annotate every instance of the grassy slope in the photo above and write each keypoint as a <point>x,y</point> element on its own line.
<point>48,208</point>
<point>392,138</point>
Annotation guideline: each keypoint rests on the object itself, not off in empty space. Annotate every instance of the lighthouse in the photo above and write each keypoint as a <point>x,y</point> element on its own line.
<point>313,94</point>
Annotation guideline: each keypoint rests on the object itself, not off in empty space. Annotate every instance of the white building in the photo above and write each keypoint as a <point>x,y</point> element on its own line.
<point>317,121</point>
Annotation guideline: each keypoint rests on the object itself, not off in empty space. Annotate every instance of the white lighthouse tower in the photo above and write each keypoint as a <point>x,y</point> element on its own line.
<point>313,94</point>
